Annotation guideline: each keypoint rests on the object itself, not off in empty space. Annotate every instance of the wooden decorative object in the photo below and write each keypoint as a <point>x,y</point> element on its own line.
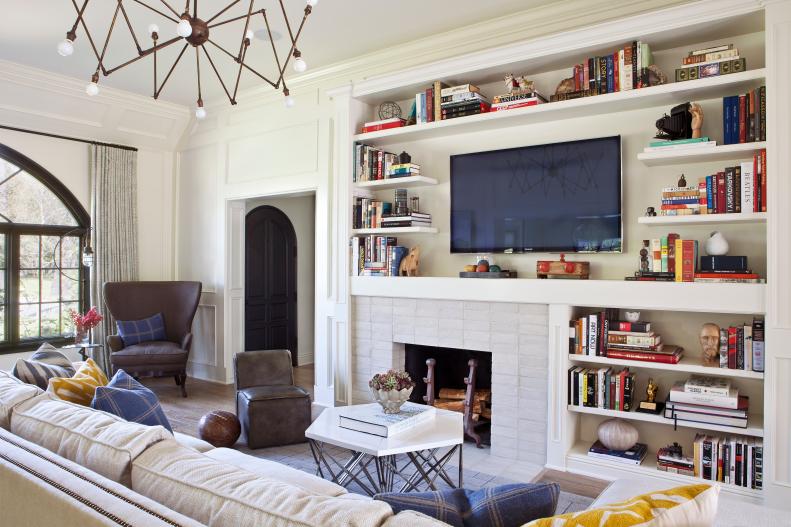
<point>429,380</point>
<point>410,263</point>
<point>565,86</point>
<point>710,344</point>
<point>469,423</point>
<point>617,434</point>
<point>219,428</point>
<point>562,269</point>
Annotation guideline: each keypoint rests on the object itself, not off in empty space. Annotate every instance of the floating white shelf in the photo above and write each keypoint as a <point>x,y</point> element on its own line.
<point>622,294</point>
<point>755,423</point>
<point>686,365</point>
<point>700,155</point>
<point>611,103</point>
<point>401,182</point>
<point>704,219</point>
<point>397,230</point>
<point>579,461</point>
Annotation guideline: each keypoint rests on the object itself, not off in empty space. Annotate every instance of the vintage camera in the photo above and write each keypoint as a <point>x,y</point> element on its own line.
<point>677,125</point>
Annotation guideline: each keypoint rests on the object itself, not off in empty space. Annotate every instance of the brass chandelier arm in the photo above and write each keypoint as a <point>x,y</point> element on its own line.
<point>234,19</point>
<point>140,2</point>
<point>217,73</point>
<point>243,64</point>
<point>197,66</point>
<point>244,33</point>
<point>173,67</point>
<point>107,39</point>
<point>80,12</point>
<point>129,25</point>
<point>271,41</point>
<point>81,21</point>
<point>288,25</point>
<point>226,8</point>
<point>294,42</point>
<point>178,15</point>
<point>145,53</point>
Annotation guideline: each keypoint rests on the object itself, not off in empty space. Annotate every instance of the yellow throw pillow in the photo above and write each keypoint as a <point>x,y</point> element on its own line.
<point>690,506</point>
<point>80,388</point>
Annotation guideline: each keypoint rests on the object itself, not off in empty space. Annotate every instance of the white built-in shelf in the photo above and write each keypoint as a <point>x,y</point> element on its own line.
<point>579,461</point>
<point>401,182</point>
<point>685,365</point>
<point>755,423</point>
<point>704,219</point>
<point>622,294</point>
<point>396,230</point>
<point>607,104</point>
<point>674,156</point>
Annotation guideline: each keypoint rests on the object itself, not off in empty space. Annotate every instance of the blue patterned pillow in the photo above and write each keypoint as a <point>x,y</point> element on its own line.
<point>137,331</point>
<point>503,506</point>
<point>125,397</point>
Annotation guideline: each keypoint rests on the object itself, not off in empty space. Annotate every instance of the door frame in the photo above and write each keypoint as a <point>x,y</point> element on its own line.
<point>294,313</point>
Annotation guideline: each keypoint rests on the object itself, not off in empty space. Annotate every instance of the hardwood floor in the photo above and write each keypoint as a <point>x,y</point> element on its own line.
<point>203,396</point>
<point>573,483</point>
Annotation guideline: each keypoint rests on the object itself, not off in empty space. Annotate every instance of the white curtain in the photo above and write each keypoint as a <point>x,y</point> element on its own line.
<point>114,235</point>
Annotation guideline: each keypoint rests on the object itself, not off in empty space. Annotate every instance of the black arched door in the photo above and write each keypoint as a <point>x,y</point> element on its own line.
<point>270,281</point>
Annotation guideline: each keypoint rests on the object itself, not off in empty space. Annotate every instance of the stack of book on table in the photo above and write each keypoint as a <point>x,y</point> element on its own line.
<point>602,334</point>
<point>371,419</point>
<point>459,101</point>
<point>727,459</point>
<point>707,400</point>
<point>633,456</point>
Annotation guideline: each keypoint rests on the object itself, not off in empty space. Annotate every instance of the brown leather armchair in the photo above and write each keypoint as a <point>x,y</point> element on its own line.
<point>178,302</point>
<point>272,410</point>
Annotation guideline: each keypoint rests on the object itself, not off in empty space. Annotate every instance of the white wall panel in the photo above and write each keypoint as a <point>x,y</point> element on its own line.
<point>279,152</point>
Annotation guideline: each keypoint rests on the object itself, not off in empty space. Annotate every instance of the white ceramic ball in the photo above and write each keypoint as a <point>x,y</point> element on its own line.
<point>617,434</point>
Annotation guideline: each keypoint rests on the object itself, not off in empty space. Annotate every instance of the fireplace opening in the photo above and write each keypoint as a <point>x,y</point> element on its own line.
<point>449,391</point>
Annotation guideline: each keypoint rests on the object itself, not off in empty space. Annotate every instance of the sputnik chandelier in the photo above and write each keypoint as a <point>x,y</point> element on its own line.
<point>192,31</point>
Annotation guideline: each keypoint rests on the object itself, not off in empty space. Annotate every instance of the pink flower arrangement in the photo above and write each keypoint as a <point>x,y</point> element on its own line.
<point>89,320</point>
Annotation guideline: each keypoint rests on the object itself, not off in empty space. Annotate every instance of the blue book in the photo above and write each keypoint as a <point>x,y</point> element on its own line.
<point>398,252</point>
<point>726,120</point>
<point>610,75</point>
<point>710,193</point>
<point>734,119</point>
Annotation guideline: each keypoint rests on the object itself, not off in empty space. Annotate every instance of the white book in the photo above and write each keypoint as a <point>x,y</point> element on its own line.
<point>621,72</point>
<point>371,418</point>
<point>593,321</point>
<point>747,192</point>
<point>617,459</point>
<point>748,348</point>
<point>678,395</point>
<point>707,384</point>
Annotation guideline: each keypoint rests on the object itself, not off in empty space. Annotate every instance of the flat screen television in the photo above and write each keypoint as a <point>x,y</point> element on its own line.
<point>559,197</point>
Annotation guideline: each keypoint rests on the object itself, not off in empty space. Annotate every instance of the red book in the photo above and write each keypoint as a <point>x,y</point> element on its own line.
<point>682,206</point>
<point>763,180</point>
<point>644,356</point>
<point>688,259</point>
<point>383,126</point>
<point>616,71</point>
<point>429,105</point>
<point>720,192</point>
<point>732,348</point>
<point>742,119</point>
<point>671,251</point>
<point>585,75</point>
<point>726,275</point>
<point>622,379</point>
<point>756,185</point>
<point>514,105</point>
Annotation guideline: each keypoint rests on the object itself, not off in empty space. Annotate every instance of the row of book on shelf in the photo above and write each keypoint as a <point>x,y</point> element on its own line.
<point>369,213</point>
<point>673,259</point>
<point>601,388</point>
<point>376,255</point>
<point>601,334</point>
<point>744,117</point>
<point>374,164</point>
<point>736,189</point>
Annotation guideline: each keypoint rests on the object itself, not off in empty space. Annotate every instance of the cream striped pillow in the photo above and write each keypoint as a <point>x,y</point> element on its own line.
<point>80,388</point>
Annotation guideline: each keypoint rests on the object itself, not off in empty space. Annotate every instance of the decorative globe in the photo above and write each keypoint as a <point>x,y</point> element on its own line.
<point>617,434</point>
<point>388,110</point>
<point>219,428</point>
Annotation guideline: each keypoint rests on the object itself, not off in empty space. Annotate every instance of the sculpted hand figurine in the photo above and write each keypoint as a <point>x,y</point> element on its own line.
<point>697,119</point>
<point>710,344</point>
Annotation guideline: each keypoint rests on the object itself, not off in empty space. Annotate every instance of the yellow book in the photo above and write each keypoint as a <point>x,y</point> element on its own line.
<point>679,259</point>
<point>584,400</point>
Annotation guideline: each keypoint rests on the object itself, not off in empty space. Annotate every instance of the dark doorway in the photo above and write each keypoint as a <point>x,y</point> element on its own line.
<point>270,293</point>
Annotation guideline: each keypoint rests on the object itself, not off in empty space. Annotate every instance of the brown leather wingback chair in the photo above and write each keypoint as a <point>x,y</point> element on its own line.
<point>272,410</point>
<point>178,302</point>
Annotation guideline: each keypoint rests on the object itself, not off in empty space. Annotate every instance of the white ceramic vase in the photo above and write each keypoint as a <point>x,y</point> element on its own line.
<point>617,434</point>
<point>392,400</point>
<point>717,245</point>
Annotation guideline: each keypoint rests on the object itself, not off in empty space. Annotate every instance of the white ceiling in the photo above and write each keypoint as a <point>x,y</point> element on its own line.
<point>337,30</point>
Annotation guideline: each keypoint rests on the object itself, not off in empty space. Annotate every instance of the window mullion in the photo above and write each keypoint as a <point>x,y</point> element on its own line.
<point>13,289</point>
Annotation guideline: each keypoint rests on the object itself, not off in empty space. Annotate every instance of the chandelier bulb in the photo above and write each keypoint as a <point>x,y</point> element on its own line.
<point>200,111</point>
<point>184,28</point>
<point>153,29</point>
<point>300,65</point>
<point>249,35</point>
<point>65,47</point>
<point>289,101</point>
<point>312,3</point>
<point>92,89</point>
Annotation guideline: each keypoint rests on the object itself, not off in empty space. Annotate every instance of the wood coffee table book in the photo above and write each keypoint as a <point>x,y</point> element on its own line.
<point>371,418</point>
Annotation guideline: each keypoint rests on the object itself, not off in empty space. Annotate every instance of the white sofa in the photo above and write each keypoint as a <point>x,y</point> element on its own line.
<point>68,465</point>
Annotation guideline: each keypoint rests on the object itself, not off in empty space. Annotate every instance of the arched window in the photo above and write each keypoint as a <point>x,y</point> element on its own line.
<point>42,229</point>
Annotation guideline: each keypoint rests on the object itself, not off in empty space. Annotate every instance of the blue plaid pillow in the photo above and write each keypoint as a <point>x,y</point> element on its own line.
<point>125,397</point>
<point>137,331</point>
<point>503,506</point>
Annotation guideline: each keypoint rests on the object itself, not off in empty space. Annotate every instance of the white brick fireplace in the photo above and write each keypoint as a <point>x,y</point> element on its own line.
<point>515,334</point>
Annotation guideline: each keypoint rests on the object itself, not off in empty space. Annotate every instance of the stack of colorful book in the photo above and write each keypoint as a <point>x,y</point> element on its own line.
<point>744,117</point>
<point>669,459</point>
<point>681,201</point>
<point>402,170</point>
<point>376,255</point>
<point>516,99</point>
<point>710,62</point>
<point>601,388</point>
<point>708,400</point>
<point>462,100</point>
<point>727,459</point>
<point>736,189</point>
<point>679,145</point>
<point>625,69</point>
<point>633,456</point>
<point>383,124</point>
<point>411,219</point>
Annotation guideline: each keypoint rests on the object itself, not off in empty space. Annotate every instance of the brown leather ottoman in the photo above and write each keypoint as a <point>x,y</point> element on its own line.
<point>273,415</point>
